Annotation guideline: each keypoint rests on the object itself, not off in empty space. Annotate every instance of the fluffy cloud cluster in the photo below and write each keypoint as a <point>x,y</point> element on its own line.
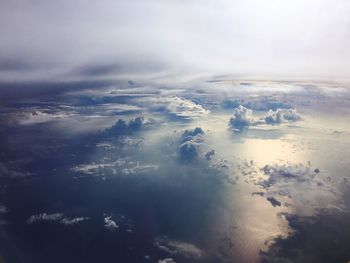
<point>122,127</point>
<point>56,217</point>
<point>279,115</point>
<point>113,222</point>
<point>178,107</point>
<point>189,143</point>
<point>298,184</point>
<point>243,117</point>
<point>179,248</point>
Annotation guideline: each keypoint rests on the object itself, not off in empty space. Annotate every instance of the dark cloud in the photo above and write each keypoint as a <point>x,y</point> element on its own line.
<point>274,117</point>
<point>323,238</point>
<point>122,127</point>
<point>274,202</point>
<point>209,154</point>
<point>189,143</point>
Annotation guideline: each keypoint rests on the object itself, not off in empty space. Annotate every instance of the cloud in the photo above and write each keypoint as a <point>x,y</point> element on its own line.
<point>44,217</point>
<point>166,260</point>
<point>242,118</point>
<point>56,217</point>
<point>122,127</point>
<point>274,117</point>
<point>178,107</point>
<point>291,115</point>
<point>110,224</point>
<point>299,185</point>
<point>122,166</point>
<point>189,143</point>
<point>274,202</point>
<point>72,221</point>
<point>279,115</point>
<point>7,172</point>
<point>209,154</point>
<point>192,135</point>
<point>104,39</point>
<point>179,248</point>
<point>3,209</point>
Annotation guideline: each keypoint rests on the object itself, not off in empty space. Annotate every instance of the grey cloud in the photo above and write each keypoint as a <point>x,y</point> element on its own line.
<point>178,247</point>
<point>274,117</point>
<point>291,115</point>
<point>184,35</point>
<point>189,143</point>
<point>121,127</point>
<point>274,202</point>
<point>209,154</point>
<point>287,183</point>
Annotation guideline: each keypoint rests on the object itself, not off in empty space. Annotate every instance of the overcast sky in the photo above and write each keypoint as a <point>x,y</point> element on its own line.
<point>80,39</point>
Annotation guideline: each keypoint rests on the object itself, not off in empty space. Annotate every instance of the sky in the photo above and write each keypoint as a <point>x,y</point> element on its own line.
<point>75,40</point>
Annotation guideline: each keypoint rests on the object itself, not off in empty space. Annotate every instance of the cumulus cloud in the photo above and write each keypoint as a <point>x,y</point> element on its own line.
<point>177,247</point>
<point>279,115</point>
<point>291,115</point>
<point>274,117</point>
<point>189,143</point>
<point>122,127</point>
<point>178,107</point>
<point>297,184</point>
<point>192,135</point>
<point>242,118</point>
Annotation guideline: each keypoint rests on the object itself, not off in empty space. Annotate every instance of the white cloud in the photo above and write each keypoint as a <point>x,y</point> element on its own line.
<point>72,221</point>
<point>55,217</point>
<point>242,118</point>
<point>178,107</point>
<point>110,224</point>
<point>177,247</point>
<point>109,168</point>
<point>166,260</point>
<point>44,217</point>
<point>299,185</point>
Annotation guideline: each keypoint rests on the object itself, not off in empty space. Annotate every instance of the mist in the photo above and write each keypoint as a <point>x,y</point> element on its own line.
<point>107,40</point>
